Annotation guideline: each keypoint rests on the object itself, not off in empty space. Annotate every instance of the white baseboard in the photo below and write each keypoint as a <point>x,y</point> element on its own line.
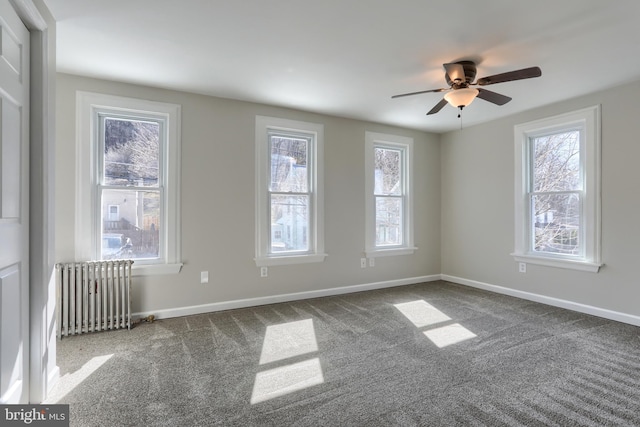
<point>274,299</point>
<point>252,302</point>
<point>569,305</point>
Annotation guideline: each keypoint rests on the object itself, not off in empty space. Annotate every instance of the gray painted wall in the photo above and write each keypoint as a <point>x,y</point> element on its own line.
<point>464,206</point>
<point>218,201</point>
<point>478,207</point>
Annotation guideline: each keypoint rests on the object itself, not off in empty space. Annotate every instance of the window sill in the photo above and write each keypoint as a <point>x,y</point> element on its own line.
<point>591,267</point>
<point>374,253</point>
<point>289,259</point>
<point>155,269</point>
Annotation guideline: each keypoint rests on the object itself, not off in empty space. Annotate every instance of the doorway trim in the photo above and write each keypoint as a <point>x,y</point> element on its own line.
<point>43,372</point>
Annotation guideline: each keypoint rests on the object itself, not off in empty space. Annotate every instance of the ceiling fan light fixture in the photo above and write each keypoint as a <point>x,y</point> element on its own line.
<point>460,98</point>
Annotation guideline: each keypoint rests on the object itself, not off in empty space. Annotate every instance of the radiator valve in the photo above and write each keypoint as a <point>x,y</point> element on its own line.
<point>149,319</point>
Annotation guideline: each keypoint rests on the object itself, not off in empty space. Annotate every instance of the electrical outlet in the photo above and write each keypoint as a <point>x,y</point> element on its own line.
<point>264,271</point>
<point>363,263</point>
<point>372,262</point>
<point>522,267</point>
<point>204,277</point>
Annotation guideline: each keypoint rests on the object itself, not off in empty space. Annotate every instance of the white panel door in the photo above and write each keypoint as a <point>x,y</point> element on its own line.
<point>14,207</point>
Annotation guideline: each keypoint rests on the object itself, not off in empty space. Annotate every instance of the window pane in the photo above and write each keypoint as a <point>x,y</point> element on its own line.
<point>289,164</point>
<point>556,220</point>
<point>131,152</point>
<point>388,172</point>
<point>135,234</point>
<point>556,163</point>
<point>388,221</point>
<point>289,223</point>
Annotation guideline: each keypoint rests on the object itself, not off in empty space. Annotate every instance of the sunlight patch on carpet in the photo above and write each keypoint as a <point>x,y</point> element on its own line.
<point>286,379</point>
<point>421,313</point>
<point>282,342</point>
<point>70,381</point>
<point>450,334</point>
<point>288,340</point>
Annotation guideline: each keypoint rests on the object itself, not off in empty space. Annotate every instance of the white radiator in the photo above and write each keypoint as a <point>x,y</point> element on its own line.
<point>93,296</point>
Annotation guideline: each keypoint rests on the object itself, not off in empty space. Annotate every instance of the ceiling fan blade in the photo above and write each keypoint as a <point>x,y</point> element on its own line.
<point>493,97</point>
<point>438,107</point>
<point>525,73</point>
<point>455,72</point>
<point>417,93</point>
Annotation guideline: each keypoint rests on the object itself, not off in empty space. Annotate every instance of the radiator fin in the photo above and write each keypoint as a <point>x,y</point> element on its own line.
<point>93,296</point>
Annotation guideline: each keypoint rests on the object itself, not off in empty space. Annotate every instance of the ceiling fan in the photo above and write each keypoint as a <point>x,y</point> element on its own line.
<point>459,76</point>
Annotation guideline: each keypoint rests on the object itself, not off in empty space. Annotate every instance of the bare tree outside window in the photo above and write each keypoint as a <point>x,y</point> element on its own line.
<point>289,193</point>
<point>388,193</point>
<point>130,181</point>
<point>555,197</point>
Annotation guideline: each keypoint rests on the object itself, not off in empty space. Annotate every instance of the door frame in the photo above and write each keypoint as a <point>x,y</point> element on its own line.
<point>43,372</point>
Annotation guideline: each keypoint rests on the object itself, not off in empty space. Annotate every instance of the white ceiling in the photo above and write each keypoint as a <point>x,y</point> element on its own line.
<point>347,57</point>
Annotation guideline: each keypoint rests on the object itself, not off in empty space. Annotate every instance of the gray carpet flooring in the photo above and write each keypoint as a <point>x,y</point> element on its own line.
<point>433,354</point>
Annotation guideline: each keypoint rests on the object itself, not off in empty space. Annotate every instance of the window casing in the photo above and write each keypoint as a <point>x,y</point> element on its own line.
<point>389,201</point>
<point>127,187</point>
<point>289,198</point>
<point>558,191</point>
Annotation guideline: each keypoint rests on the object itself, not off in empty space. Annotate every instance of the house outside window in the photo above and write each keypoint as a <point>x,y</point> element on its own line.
<point>289,191</point>
<point>128,182</point>
<point>289,199</point>
<point>389,209</point>
<point>557,191</point>
<point>130,186</point>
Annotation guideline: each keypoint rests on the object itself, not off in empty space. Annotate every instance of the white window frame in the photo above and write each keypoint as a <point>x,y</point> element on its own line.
<point>263,256</point>
<point>405,145</point>
<point>89,107</point>
<point>588,121</point>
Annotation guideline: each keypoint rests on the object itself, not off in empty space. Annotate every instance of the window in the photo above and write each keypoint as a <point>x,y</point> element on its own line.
<point>113,213</point>
<point>389,226</point>
<point>289,200</point>
<point>558,190</point>
<point>129,178</point>
<point>128,182</point>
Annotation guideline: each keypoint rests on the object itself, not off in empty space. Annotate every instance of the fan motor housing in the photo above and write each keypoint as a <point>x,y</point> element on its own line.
<point>469,74</point>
